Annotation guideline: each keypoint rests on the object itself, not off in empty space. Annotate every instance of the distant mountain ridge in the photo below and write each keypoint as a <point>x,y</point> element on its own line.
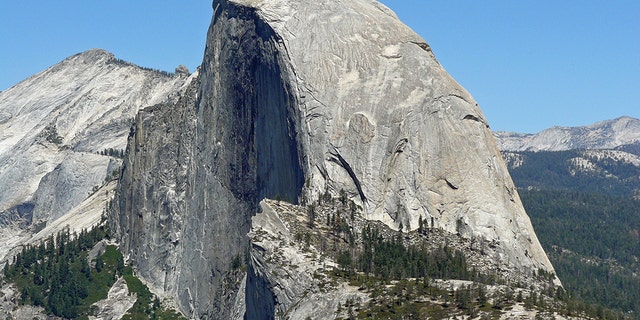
<point>581,188</point>
<point>560,156</point>
<point>59,132</point>
<point>608,134</point>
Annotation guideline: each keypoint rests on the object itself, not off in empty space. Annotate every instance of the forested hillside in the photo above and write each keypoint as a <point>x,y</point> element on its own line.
<point>586,212</point>
<point>68,274</point>
<point>586,172</point>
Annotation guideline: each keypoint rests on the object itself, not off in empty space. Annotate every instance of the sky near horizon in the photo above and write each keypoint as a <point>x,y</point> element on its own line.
<point>529,64</point>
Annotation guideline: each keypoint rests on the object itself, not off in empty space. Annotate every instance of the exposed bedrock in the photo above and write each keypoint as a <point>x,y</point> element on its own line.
<point>196,171</point>
<point>295,98</point>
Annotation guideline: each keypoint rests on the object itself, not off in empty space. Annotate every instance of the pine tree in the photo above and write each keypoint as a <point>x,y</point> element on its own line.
<point>99,263</point>
<point>343,197</point>
<point>311,215</point>
<point>482,295</point>
<point>120,265</point>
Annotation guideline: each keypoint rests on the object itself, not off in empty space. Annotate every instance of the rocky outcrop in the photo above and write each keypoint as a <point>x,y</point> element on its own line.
<point>293,271</point>
<point>285,279</point>
<point>118,301</point>
<point>73,179</point>
<point>10,307</point>
<point>294,99</point>
<point>601,135</point>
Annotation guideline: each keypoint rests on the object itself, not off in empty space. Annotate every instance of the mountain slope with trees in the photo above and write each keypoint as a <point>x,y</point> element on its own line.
<point>585,208</point>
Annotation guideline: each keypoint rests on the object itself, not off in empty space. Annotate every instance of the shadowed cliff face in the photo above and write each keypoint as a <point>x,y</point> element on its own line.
<point>245,143</point>
<point>248,99</point>
<point>197,170</point>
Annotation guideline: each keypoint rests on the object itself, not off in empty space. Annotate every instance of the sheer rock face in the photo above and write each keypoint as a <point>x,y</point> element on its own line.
<point>295,98</point>
<point>149,205</point>
<point>196,171</point>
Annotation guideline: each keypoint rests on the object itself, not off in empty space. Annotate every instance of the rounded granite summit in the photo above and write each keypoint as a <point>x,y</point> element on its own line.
<point>294,99</point>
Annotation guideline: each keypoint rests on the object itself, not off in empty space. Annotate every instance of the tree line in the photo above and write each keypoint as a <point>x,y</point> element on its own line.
<point>117,153</point>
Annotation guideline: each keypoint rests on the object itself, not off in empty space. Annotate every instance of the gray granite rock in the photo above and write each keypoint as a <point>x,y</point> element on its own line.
<point>295,98</point>
<point>285,280</point>
<point>117,303</point>
<point>382,119</point>
<point>54,124</point>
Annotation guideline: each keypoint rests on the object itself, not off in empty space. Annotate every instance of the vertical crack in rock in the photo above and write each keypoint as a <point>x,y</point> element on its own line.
<point>337,158</point>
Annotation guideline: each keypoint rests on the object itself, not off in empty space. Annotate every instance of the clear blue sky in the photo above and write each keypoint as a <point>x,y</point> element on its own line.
<point>529,64</point>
